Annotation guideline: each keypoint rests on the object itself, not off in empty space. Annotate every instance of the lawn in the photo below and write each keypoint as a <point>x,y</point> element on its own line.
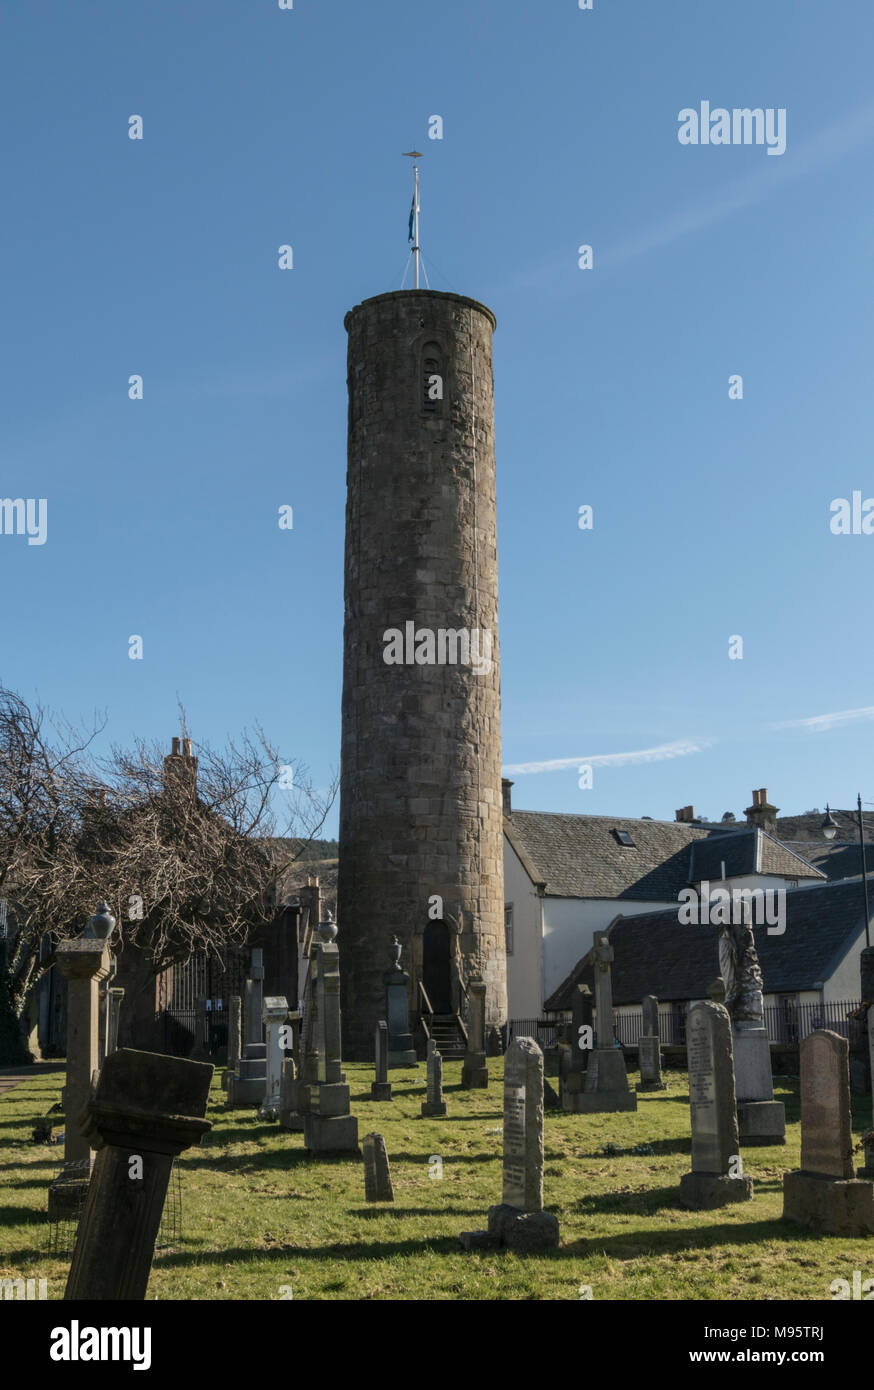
<point>261,1220</point>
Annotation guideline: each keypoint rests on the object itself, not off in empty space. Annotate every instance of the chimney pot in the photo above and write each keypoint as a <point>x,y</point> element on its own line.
<point>186,748</point>
<point>505,796</point>
<point>175,749</point>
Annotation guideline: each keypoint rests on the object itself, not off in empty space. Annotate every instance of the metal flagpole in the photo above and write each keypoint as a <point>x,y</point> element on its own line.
<point>415,154</point>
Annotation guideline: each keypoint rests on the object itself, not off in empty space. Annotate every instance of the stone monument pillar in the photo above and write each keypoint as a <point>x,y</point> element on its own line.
<point>519,1222</point>
<point>475,1069</point>
<point>274,1014</point>
<point>377,1174</point>
<point>149,1108</point>
<point>434,1105</point>
<point>328,1125</point>
<point>606,1085</point>
<point>574,1054</point>
<point>247,1084</point>
<point>717,1177</point>
<point>401,1052</point>
<point>761,1118</point>
<point>823,1193</point>
<point>83,962</point>
<point>235,1038</point>
<point>380,1088</point>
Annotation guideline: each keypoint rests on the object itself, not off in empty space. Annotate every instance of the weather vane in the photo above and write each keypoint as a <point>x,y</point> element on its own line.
<point>413,235</point>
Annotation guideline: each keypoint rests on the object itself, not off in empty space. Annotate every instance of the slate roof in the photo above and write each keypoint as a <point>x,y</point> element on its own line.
<point>836,859</point>
<point>654,954</point>
<point>581,856</point>
<point>751,851</point>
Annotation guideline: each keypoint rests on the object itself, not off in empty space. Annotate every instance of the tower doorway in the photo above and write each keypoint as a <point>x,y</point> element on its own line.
<point>436,973</point>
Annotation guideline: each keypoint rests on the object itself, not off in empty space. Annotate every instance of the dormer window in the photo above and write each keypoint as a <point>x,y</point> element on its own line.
<point>624,838</point>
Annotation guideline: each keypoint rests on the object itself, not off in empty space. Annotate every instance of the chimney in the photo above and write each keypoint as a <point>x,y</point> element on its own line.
<point>762,815</point>
<point>505,796</point>
<point>686,814</point>
<point>181,765</point>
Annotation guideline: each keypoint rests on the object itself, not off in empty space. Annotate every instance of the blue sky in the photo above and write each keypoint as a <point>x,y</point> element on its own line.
<point>264,127</point>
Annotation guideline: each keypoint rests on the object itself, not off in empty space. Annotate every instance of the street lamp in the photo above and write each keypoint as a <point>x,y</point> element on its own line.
<point>829,826</point>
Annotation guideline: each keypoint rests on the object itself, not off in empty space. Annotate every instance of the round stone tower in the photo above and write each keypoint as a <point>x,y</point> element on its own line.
<point>421,830</point>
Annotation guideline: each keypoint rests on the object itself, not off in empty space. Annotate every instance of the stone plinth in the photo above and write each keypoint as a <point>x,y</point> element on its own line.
<point>761,1119</point>
<point>650,1062</point>
<point>83,963</point>
<point>151,1107</point>
<point>328,1125</point>
<point>717,1177</point>
<point>606,1085</point>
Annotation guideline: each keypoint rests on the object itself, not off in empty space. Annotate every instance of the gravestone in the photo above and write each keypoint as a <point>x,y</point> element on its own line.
<point>475,1069</point>
<point>83,962</point>
<point>377,1174</point>
<point>434,1105</point>
<point>289,1118</point>
<point>247,1084</point>
<point>649,1054</point>
<point>519,1221</point>
<point>274,1012</point>
<point>760,1118</point>
<point>380,1088</point>
<point>401,1052</point>
<point>573,1056</point>
<point>716,990</point>
<point>235,1038</point>
<point>606,1085</point>
<point>823,1194</point>
<point>146,1107</point>
<point>717,1177</point>
<point>328,1125</point>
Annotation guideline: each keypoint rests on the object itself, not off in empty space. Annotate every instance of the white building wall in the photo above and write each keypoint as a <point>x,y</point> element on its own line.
<point>569,929</point>
<point>525,966</point>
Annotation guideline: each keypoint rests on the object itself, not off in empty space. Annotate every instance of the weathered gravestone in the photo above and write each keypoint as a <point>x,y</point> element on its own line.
<point>328,1125</point>
<point>606,1085</point>
<point>573,1055</point>
<point>401,1052</point>
<point>823,1193</point>
<point>146,1109</point>
<point>247,1084</point>
<point>83,962</point>
<point>380,1088</point>
<point>235,1038</point>
<point>760,1118</point>
<point>649,1048</point>
<point>377,1175</point>
<point>519,1222</point>
<point>274,1012</point>
<point>434,1105</point>
<point>717,1177</point>
<point>288,1113</point>
<point>475,1069</point>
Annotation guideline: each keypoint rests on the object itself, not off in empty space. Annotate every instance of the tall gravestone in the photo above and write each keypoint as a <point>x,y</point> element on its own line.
<point>83,962</point>
<point>823,1194</point>
<point>434,1104</point>
<point>235,1038</point>
<point>328,1125</point>
<point>574,1054</point>
<point>649,1048</point>
<point>606,1085</point>
<point>519,1221</point>
<point>380,1087</point>
<point>248,1083</point>
<point>401,1052</point>
<point>146,1108</point>
<point>274,1013</point>
<point>377,1174</point>
<point>717,1177</point>
<point>114,999</point>
<point>475,1069</point>
<point>761,1119</point>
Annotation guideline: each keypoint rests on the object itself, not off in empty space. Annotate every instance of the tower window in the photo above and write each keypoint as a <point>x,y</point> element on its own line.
<point>432,380</point>
<point>508,928</point>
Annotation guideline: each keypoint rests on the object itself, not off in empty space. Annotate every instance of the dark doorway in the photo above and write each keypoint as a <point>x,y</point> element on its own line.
<point>435,967</point>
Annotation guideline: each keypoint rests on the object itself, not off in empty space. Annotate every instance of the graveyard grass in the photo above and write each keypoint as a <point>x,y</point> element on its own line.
<point>262,1220</point>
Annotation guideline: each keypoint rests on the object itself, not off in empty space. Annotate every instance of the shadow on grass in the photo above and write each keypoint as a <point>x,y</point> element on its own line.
<point>631,1245</point>
<point>389,1209</point>
<point>21,1216</point>
<point>355,1252</point>
<point>658,1146</point>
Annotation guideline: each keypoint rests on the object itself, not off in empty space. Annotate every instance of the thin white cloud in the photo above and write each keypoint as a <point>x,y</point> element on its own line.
<point>820,723</point>
<point>680,749</point>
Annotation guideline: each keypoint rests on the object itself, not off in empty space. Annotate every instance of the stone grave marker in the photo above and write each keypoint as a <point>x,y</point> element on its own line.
<point>606,1084</point>
<point>274,1014</point>
<point>434,1104</point>
<point>475,1069</point>
<point>380,1088</point>
<point>573,1057</point>
<point>149,1108</point>
<point>289,1118</point>
<point>401,1052</point>
<point>823,1193</point>
<point>377,1174</point>
<point>717,1177</point>
<point>519,1221</point>
<point>328,1125</point>
<point>649,1048</point>
<point>247,1084</point>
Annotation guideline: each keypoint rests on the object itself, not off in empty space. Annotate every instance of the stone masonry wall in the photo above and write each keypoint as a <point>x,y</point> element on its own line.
<point>420,798</point>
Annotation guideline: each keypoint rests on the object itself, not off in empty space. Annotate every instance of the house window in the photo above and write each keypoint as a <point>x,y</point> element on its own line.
<point>508,927</point>
<point>624,838</point>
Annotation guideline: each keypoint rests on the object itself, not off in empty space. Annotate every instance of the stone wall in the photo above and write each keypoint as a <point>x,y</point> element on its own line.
<point>420,799</point>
